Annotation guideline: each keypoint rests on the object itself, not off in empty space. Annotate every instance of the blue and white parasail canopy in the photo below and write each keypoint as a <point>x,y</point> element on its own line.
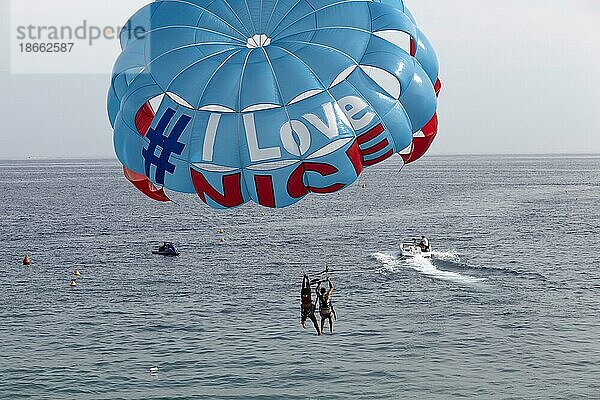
<point>269,100</point>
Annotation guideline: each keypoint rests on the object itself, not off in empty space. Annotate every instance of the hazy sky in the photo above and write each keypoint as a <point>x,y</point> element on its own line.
<point>520,76</point>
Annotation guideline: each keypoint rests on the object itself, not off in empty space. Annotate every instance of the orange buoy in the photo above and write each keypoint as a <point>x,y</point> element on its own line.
<point>26,261</point>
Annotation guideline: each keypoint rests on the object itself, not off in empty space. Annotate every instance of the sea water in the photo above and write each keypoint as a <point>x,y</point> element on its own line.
<point>508,308</point>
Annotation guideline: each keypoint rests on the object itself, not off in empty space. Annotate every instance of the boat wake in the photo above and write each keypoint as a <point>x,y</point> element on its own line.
<point>452,259</point>
<point>507,271</point>
<point>451,256</point>
<point>392,262</point>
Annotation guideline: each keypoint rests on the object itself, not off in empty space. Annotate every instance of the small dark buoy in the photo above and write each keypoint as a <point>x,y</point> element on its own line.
<point>221,231</point>
<point>26,261</point>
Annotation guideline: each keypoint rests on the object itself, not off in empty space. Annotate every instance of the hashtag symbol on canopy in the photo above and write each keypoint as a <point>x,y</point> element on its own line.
<point>165,146</point>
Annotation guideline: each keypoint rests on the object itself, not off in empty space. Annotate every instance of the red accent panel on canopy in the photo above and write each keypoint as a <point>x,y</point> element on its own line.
<point>438,87</point>
<point>143,119</point>
<point>422,144</point>
<point>145,186</point>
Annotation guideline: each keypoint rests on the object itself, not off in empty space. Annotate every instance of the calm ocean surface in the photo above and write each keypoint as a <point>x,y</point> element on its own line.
<point>509,308</point>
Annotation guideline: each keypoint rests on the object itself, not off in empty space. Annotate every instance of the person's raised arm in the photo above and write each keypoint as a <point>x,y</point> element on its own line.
<point>330,287</point>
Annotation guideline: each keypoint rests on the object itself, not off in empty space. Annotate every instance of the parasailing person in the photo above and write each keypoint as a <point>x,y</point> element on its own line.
<point>307,308</point>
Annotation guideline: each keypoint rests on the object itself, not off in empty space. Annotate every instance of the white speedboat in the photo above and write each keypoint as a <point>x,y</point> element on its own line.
<point>410,250</point>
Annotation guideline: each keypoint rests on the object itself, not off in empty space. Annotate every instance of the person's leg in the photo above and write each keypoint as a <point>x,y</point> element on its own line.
<point>330,323</point>
<point>303,319</point>
<point>322,323</point>
<point>315,323</point>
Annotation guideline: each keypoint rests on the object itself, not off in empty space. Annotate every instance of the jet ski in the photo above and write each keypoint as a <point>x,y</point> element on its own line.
<point>167,249</point>
<point>411,250</point>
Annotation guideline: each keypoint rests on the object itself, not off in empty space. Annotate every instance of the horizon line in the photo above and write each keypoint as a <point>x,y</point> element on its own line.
<point>104,158</point>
